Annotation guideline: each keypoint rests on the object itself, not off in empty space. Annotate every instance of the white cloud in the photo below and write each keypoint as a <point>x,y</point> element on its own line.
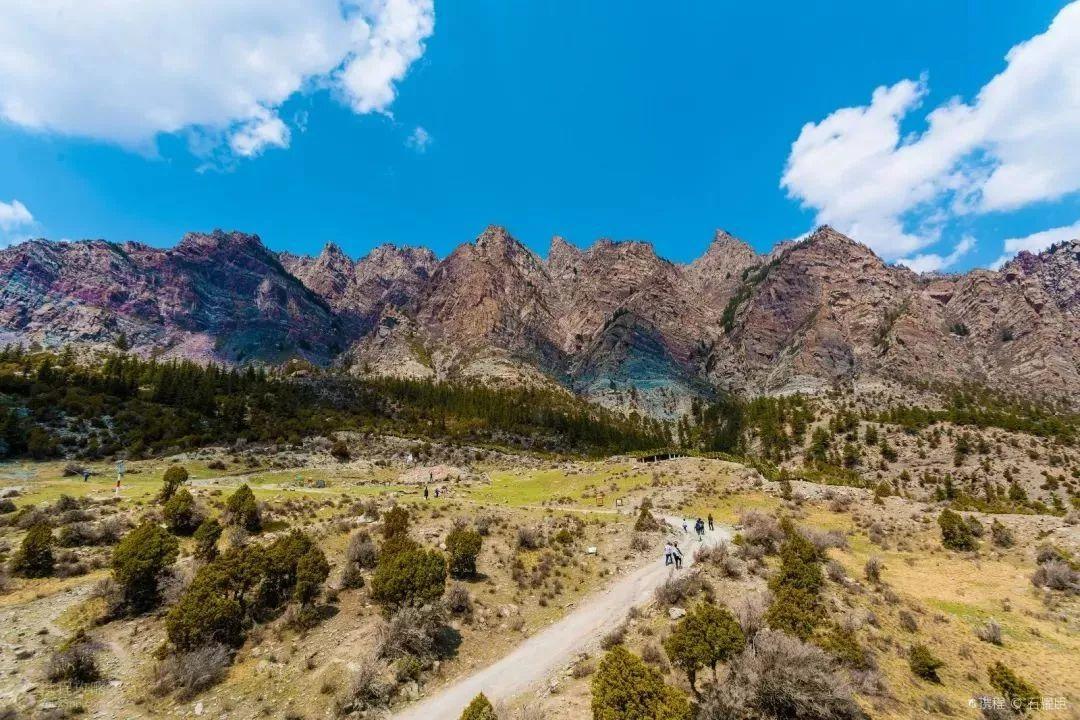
<point>1037,242</point>
<point>1008,148</point>
<point>419,139</point>
<point>124,71</point>
<point>932,262</point>
<point>15,220</point>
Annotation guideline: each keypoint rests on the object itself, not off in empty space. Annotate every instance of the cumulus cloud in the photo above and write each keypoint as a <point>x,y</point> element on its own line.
<point>1001,151</point>
<point>419,139</point>
<point>125,71</point>
<point>1037,242</point>
<point>933,262</point>
<point>15,219</point>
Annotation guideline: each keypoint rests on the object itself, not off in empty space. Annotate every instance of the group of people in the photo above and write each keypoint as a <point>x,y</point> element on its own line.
<point>672,553</point>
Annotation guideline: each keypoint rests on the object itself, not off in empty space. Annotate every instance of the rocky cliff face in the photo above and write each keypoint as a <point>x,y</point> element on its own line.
<point>614,322</point>
<point>220,296</point>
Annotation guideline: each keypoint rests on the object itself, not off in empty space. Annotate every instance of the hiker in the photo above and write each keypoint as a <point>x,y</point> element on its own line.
<point>699,526</point>
<point>677,555</point>
<point>711,526</point>
<point>684,528</point>
<point>425,492</point>
<point>436,493</point>
<point>669,553</point>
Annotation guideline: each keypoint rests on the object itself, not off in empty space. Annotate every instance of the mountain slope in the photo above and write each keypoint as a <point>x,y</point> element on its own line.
<point>613,322</point>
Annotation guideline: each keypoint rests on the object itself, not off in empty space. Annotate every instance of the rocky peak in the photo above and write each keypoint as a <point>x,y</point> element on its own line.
<point>197,244</point>
<point>332,254</point>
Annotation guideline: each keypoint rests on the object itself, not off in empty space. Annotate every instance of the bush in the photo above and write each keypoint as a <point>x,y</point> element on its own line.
<point>873,569</point>
<point>840,642</point>
<point>707,636</point>
<point>361,550</point>
<point>138,561</point>
<point>529,538</point>
<point>625,688</point>
<point>411,632</point>
<point>340,451</point>
<point>762,530</point>
<point>35,557</point>
<point>181,514</point>
<point>395,522</point>
<point>924,664</point>
<point>645,521</point>
<point>1001,535</point>
<point>796,607</point>
<point>241,510</point>
<point>990,632</point>
<point>1022,695</point>
<point>7,506</point>
<point>191,672</point>
<point>613,638</point>
<point>311,572</point>
<point>463,546</point>
<point>457,600</point>
<point>1057,575</point>
<point>175,476</point>
<point>479,709</point>
<point>411,577</point>
<point>955,533</point>
<point>73,663</point>
<point>677,588</point>
<point>214,607</point>
<point>206,540</point>
<point>778,677</point>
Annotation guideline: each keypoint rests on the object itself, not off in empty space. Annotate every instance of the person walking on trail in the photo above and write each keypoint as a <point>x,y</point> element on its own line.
<point>425,492</point>
<point>684,527</point>
<point>699,526</point>
<point>677,555</point>
<point>669,552</point>
<point>711,526</point>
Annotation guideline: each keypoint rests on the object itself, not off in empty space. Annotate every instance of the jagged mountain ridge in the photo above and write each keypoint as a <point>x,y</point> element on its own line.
<point>613,322</point>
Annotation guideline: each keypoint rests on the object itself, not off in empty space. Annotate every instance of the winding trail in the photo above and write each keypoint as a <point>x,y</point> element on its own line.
<point>540,656</point>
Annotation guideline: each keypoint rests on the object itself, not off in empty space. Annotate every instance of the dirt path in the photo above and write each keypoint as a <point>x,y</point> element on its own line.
<point>541,655</point>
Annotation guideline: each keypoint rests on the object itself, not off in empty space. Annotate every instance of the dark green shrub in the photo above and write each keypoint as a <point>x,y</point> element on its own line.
<point>924,664</point>
<point>181,513</point>
<point>138,561</point>
<point>242,510</point>
<point>35,557</point>
<point>955,533</point>
<point>463,546</point>
<point>796,607</point>
<point>205,615</point>
<point>395,522</point>
<point>206,540</point>
<point>311,573</point>
<point>1022,695</point>
<point>707,636</point>
<point>842,644</point>
<point>215,607</point>
<point>479,709</point>
<point>410,577</point>
<point>175,476</point>
<point>340,451</point>
<point>7,506</point>
<point>625,688</point>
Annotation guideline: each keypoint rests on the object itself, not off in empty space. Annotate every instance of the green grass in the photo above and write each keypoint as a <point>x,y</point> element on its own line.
<point>534,487</point>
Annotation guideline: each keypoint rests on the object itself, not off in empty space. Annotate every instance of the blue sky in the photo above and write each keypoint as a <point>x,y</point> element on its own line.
<point>629,120</point>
